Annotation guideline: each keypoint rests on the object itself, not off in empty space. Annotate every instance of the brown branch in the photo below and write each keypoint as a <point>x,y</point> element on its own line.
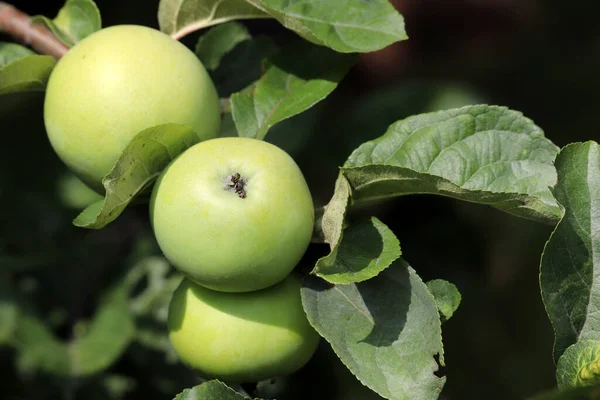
<point>18,25</point>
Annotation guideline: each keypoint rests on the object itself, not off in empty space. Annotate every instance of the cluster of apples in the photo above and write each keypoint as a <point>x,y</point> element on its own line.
<point>233,215</point>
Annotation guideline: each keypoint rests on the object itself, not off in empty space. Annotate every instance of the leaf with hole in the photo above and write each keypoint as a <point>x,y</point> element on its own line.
<point>386,330</point>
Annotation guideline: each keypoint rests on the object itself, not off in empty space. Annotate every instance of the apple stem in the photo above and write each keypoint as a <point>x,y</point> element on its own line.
<point>18,25</point>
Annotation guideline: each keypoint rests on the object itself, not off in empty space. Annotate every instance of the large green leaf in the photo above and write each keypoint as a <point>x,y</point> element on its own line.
<point>144,158</point>
<point>76,20</point>
<point>579,365</point>
<point>346,26</point>
<point>108,335</point>
<point>386,330</point>
<point>482,154</point>
<point>296,78</point>
<point>569,264</point>
<point>27,74</point>
<point>180,17</point>
<point>211,390</point>
<point>10,52</point>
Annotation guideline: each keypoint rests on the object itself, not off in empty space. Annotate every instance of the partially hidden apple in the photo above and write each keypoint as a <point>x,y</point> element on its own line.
<point>241,337</point>
<point>233,214</point>
<point>117,82</point>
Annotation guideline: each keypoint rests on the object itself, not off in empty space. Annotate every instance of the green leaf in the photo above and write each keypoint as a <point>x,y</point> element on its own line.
<point>446,295</point>
<point>331,224</point>
<point>346,26</point>
<point>358,252</point>
<point>482,154</point>
<point>243,65</point>
<point>180,17</point>
<point>580,393</point>
<point>76,20</point>
<point>10,52</point>
<point>158,289</point>
<point>296,79</point>
<point>579,365</point>
<point>39,349</point>
<point>111,331</point>
<point>218,41</point>
<point>366,249</point>
<point>142,161</point>
<point>569,263</point>
<point>108,336</point>
<point>386,330</point>
<point>27,74</point>
<point>211,390</point>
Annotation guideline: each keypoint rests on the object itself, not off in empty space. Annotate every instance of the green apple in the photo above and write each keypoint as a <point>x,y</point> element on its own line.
<point>114,84</point>
<point>241,337</point>
<point>233,214</point>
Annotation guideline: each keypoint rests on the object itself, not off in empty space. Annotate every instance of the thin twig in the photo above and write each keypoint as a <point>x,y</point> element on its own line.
<point>18,25</point>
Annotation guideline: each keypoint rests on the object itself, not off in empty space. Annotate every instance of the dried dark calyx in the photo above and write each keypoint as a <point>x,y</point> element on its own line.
<point>237,183</point>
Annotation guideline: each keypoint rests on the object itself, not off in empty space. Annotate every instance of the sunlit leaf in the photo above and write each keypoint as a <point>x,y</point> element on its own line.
<point>296,79</point>
<point>386,330</point>
<point>76,20</point>
<point>346,26</point>
<point>180,17</point>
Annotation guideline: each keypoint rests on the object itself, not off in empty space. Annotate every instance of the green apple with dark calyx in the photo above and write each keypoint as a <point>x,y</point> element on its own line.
<point>233,214</point>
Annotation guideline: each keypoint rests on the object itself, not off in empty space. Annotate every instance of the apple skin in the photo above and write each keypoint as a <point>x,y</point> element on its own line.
<point>220,240</point>
<point>241,337</point>
<point>117,82</point>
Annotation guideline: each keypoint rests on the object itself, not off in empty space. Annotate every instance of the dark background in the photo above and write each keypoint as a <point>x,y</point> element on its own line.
<point>539,57</point>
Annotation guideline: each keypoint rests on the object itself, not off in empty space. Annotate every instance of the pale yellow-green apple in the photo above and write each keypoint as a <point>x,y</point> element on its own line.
<point>117,82</point>
<point>241,337</point>
<point>233,214</point>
